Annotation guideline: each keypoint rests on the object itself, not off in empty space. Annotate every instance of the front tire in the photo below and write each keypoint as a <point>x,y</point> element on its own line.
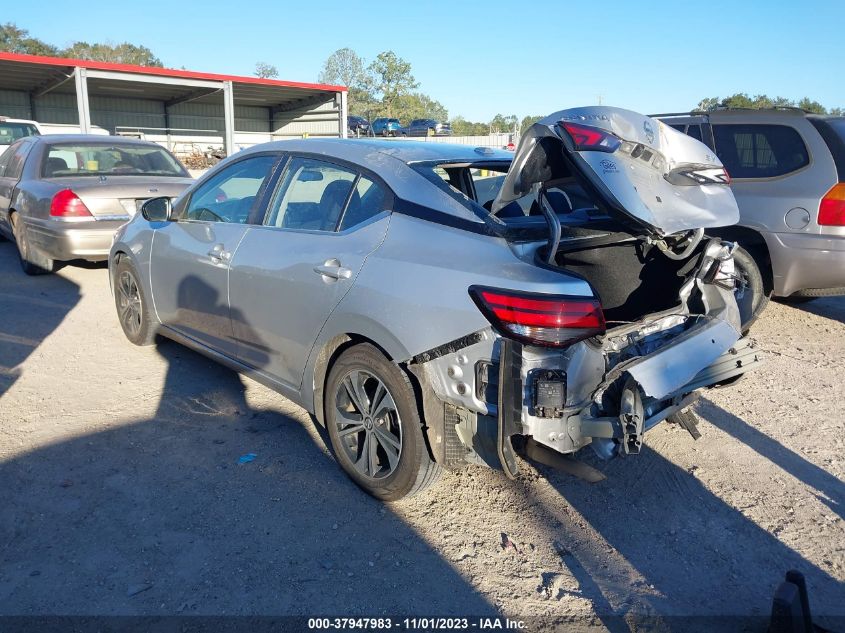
<point>33,261</point>
<point>753,298</point>
<point>133,309</point>
<point>374,426</point>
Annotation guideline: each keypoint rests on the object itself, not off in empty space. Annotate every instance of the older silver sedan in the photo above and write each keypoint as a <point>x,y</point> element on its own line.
<point>63,197</point>
<point>432,313</point>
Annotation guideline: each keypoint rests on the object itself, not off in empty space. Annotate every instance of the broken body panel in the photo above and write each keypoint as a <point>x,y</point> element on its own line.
<point>607,390</point>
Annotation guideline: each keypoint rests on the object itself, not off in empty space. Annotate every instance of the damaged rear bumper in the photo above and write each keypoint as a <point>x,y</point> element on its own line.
<point>605,393</point>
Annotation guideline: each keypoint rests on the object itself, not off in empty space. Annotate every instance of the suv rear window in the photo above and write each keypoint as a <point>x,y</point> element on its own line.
<point>760,151</point>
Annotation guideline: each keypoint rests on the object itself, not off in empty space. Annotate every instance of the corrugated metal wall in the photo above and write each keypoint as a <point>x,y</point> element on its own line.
<point>252,123</point>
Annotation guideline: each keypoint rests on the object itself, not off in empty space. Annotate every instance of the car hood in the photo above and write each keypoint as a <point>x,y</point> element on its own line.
<point>656,178</point>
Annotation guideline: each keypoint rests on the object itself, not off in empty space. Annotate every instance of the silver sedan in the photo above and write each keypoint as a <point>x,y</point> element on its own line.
<point>63,197</point>
<point>435,306</point>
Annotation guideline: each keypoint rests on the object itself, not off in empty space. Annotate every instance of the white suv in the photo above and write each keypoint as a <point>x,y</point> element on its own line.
<point>13,129</point>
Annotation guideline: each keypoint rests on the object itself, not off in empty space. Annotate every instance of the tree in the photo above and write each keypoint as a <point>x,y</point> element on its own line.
<point>812,106</point>
<point>527,122</point>
<point>17,40</point>
<point>502,123</point>
<point>462,127</point>
<point>124,53</point>
<point>392,78</point>
<point>265,70</point>
<point>419,106</point>
<point>345,68</point>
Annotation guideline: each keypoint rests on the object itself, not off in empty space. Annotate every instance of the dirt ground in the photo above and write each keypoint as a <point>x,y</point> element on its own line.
<point>121,491</point>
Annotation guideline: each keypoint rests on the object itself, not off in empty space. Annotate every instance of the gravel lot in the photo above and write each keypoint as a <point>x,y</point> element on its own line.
<point>121,491</point>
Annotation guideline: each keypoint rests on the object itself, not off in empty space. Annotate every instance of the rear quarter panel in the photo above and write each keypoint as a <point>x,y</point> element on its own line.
<point>412,292</point>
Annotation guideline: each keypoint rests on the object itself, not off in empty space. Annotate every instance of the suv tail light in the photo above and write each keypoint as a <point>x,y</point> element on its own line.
<point>832,207</point>
<point>586,137</point>
<point>540,319</point>
<point>66,204</point>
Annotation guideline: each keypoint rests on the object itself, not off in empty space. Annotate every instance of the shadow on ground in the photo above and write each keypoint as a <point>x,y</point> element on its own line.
<point>158,517</point>
<point>828,307</point>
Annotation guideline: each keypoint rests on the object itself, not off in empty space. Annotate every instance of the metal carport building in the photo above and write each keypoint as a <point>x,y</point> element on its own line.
<point>166,105</point>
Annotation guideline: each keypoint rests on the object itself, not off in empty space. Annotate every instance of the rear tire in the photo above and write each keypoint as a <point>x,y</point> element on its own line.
<point>133,309</point>
<point>754,297</point>
<point>374,426</point>
<point>33,261</point>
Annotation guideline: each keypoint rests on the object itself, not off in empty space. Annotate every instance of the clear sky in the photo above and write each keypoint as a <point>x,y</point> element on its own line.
<point>483,58</point>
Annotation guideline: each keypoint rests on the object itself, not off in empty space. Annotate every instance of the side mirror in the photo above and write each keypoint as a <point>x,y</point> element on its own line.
<point>157,209</point>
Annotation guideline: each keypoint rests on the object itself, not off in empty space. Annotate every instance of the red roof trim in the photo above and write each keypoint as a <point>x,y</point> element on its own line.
<point>164,72</point>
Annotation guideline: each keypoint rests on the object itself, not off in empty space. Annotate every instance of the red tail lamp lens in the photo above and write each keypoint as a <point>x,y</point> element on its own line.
<point>66,204</point>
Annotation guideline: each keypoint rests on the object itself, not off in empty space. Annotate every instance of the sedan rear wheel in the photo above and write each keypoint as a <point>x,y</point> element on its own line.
<point>374,425</point>
<point>751,295</point>
<point>33,261</point>
<point>132,310</point>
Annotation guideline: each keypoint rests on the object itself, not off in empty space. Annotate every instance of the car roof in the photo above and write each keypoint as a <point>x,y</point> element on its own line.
<point>5,119</point>
<point>359,150</point>
<point>391,161</point>
<point>100,139</point>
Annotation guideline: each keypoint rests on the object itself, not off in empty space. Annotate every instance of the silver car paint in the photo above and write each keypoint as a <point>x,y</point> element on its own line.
<point>639,186</point>
<point>408,295</point>
<point>71,238</point>
<point>802,257</point>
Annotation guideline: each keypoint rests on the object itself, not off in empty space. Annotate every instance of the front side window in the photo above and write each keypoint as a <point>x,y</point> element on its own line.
<point>312,196</point>
<point>230,195</point>
<point>110,159</point>
<point>760,151</point>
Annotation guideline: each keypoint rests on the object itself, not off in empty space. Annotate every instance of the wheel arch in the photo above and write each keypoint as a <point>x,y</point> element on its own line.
<point>755,243</point>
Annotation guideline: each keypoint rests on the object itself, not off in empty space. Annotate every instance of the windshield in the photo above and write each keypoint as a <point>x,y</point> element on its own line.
<point>11,132</point>
<point>112,159</point>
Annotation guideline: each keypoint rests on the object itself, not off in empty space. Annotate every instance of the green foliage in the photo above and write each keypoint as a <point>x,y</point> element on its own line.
<point>17,40</point>
<point>391,79</point>
<point>124,53</point>
<point>528,121</point>
<point>265,70</point>
<point>462,127</point>
<point>419,106</point>
<point>506,124</point>
<point>742,100</point>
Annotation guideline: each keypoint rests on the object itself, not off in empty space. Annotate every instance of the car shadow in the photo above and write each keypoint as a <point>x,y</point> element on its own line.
<point>211,506</point>
<point>831,491</point>
<point>829,307</point>
<point>673,551</point>
<point>52,296</point>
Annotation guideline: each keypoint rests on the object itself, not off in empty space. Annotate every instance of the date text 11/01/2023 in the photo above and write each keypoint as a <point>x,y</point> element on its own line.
<point>416,624</point>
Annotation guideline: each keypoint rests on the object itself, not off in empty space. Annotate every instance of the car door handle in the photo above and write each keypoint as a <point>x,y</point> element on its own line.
<point>332,269</point>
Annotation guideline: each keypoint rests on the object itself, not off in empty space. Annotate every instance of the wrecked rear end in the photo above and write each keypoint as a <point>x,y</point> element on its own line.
<point>623,201</point>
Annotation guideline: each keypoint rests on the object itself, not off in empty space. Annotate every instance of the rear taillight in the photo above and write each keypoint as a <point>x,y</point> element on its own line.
<point>67,204</point>
<point>540,319</point>
<point>832,207</point>
<point>593,139</point>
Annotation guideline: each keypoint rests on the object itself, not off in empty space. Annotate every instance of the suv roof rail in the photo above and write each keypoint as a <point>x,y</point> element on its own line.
<point>690,113</point>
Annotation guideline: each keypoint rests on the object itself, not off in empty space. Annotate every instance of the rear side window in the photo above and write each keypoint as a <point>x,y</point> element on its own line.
<point>760,151</point>
<point>368,200</point>
<point>14,168</point>
<point>832,130</point>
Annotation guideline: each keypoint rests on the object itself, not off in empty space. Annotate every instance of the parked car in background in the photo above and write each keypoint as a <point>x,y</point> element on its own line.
<point>367,282</point>
<point>427,127</point>
<point>357,125</point>
<point>12,130</point>
<point>384,126</point>
<point>63,196</point>
<point>787,170</point>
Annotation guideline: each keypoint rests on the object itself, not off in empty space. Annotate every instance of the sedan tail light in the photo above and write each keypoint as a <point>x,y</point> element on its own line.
<point>66,204</point>
<point>832,207</point>
<point>589,138</point>
<point>540,319</point>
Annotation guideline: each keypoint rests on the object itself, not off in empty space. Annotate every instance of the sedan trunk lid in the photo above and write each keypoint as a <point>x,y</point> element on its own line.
<point>643,172</point>
<point>113,197</point>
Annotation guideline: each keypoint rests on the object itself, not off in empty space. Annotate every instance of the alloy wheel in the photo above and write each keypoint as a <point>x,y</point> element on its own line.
<point>129,302</point>
<point>368,425</point>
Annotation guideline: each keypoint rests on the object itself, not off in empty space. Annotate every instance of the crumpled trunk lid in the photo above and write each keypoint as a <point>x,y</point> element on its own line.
<point>648,175</point>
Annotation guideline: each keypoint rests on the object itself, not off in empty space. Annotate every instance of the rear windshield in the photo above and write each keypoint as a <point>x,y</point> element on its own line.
<point>11,132</point>
<point>833,133</point>
<point>110,159</point>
